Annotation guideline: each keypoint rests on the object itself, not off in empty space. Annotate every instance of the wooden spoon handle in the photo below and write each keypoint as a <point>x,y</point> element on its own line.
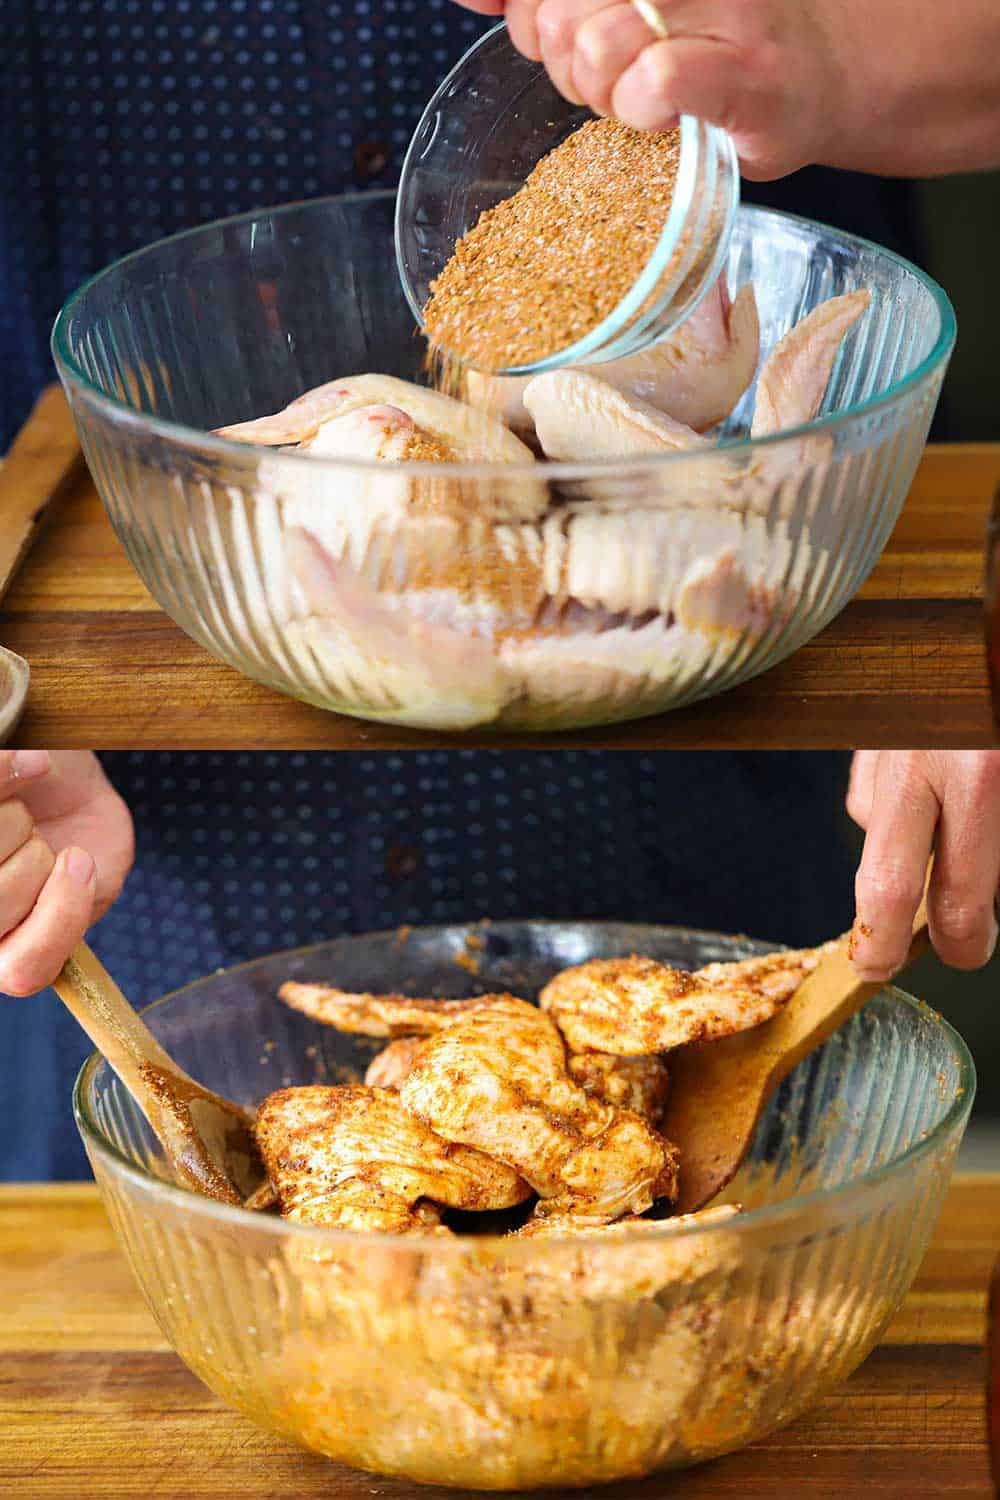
<point>86,989</point>
<point>181,1114</point>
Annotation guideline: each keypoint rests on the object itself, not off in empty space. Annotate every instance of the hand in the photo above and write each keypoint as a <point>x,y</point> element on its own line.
<point>65,849</point>
<point>904,87</point>
<point>907,801</point>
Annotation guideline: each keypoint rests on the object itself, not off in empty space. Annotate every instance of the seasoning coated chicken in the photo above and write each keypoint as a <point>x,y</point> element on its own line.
<point>355,1158</point>
<point>636,1006</point>
<point>636,1083</point>
<point>553,1224</point>
<point>639,1084</point>
<point>497,1080</point>
<point>659,1254</point>
<point>388,1015</point>
<point>390,1066</point>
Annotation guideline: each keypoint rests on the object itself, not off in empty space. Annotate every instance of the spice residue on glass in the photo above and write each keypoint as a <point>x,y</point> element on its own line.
<point>544,267</point>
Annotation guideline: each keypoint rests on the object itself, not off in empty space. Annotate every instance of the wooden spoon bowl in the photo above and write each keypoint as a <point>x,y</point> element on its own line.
<point>718,1090</point>
<point>208,1140</point>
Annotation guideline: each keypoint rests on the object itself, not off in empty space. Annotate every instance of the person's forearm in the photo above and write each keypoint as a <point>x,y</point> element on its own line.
<point>921,85</point>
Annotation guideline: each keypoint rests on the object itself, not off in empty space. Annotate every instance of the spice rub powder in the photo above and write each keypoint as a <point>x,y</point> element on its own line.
<point>545,266</point>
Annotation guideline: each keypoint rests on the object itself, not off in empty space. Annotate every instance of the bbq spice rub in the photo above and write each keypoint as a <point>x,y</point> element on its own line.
<point>547,265</point>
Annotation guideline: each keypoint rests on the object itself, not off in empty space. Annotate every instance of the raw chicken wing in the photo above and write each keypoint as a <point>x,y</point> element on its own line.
<point>696,375</point>
<point>796,373</point>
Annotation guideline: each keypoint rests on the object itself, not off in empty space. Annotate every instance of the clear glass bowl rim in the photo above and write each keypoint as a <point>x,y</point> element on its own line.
<point>746,1223</point>
<point>200,443</point>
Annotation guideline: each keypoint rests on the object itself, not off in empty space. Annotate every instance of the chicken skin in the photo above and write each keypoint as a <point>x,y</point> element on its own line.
<point>552,1224</point>
<point>387,1015</point>
<point>497,1080</point>
<point>354,1158</point>
<point>638,1084</point>
<point>390,1066</point>
<point>633,1007</point>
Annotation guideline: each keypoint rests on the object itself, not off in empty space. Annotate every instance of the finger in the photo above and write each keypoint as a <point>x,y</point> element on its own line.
<point>861,786</point>
<point>20,766</point>
<point>966,875</point>
<point>890,878</point>
<point>21,878</point>
<point>31,956</point>
<point>483,7</point>
<point>607,44</point>
<point>522,26</point>
<point>683,75</point>
<point>558,23</point>
<point>16,828</point>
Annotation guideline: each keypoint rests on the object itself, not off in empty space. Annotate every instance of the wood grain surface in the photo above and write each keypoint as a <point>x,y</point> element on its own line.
<point>45,457</point>
<point>903,665</point>
<point>93,1403</point>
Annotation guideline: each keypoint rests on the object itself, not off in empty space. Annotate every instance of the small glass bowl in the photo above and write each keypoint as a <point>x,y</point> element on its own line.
<point>493,118</point>
<point>495,1363</point>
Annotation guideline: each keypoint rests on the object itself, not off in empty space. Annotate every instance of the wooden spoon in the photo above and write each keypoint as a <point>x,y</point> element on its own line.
<point>208,1140</point>
<point>718,1089</point>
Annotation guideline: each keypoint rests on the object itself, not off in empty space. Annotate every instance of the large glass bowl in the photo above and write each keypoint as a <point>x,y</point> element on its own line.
<point>482,1362</point>
<point>526,596</point>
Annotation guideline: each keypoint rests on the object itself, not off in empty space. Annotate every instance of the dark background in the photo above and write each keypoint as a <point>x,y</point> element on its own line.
<point>241,854</point>
<point>124,120</point>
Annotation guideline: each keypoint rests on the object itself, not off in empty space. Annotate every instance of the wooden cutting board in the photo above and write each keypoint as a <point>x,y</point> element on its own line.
<point>903,665</point>
<point>94,1403</point>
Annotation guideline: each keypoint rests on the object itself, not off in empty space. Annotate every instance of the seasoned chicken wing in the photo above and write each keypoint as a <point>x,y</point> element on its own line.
<point>660,1255</point>
<point>388,1015</point>
<point>636,1006</point>
<point>639,1084</point>
<point>497,1080</point>
<point>553,1224</point>
<point>636,1083</point>
<point>354,1158</point>
<point>390,1066</point>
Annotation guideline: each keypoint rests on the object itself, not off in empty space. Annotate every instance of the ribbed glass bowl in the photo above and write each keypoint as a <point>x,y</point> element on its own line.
<point>482,1362</point>
<point>525,596</point>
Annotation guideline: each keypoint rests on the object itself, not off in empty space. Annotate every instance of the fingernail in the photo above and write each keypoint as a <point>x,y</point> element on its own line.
<point>25,765</point>
<point>79,866</point>
<point>873,976</point>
